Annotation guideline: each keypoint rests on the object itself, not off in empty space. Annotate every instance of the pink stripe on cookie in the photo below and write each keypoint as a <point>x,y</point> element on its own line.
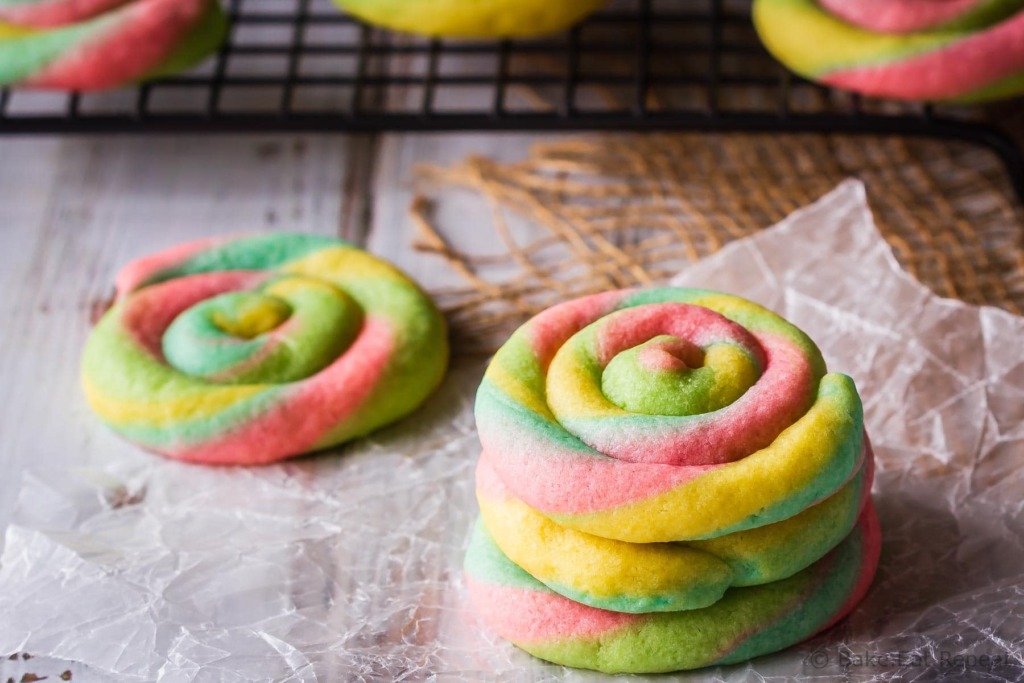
<point>567,483</point>
<point>310,409</point>
<point>970,64</point>
<point>56,12</point>
<point>671,355</point>
<point>148,315</point>
<point>898,16</point>
<point>777,400</point>
<point>488,482</point>
<point>550,329</point>
<point>871,538</point>
<point>146,33</point>
<point>139,271</point>
<point>701,326</point>
<point>530,616</point>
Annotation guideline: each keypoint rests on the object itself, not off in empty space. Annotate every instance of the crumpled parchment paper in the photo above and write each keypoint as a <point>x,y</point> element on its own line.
<point>346,566</point>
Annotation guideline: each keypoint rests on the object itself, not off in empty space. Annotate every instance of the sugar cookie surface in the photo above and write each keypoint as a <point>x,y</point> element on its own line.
<point>98,44</point>
<point>254,349</point>
<point>745,623</point>
<point>670,478</point>
<point>664,577</point>
<point>956,50</point>
<point>476,19</point>
<point>791,438</point>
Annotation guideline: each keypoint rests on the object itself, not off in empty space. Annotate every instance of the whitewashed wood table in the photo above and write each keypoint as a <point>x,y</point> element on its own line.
<point>73,210</point>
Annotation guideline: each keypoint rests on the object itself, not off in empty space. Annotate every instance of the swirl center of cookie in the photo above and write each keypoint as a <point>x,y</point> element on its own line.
<point>639,369</point>
<point>289,328</point>
<point>246,315</point>
<point>671,376</point>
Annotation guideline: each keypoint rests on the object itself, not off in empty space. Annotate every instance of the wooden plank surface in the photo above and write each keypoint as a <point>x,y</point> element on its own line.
<point>465,220</point>
<point>73,210</point>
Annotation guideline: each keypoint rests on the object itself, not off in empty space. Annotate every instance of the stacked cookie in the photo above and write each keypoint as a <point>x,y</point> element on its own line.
<point>954,50</point>
<point>670,479</point>
<point>97,44</point>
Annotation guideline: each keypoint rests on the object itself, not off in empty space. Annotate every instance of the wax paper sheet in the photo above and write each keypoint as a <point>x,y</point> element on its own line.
<point>346,566</point>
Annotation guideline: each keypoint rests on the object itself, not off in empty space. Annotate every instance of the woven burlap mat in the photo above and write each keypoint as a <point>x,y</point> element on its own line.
<point>587,214</point>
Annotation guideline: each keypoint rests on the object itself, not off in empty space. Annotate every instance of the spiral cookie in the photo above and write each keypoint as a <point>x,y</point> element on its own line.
<point>254,349</point>
<point>667,415</point>
<point>745,623</point>
<point>959,50</point>
<point>97,44</point>
<point>477,19</point>
<point>664,577</point>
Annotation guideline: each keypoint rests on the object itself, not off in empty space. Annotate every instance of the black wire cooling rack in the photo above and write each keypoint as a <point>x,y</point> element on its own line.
<point>302,65</point>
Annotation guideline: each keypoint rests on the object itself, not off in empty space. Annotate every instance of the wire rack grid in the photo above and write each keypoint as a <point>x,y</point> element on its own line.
<point>305,66</point>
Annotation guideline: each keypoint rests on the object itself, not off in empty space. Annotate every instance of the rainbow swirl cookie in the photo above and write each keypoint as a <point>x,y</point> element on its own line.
<point>667,415</point>
<point>664,577</point>
<point>745,623</point>
<point>956,50</point>
<point>249,350</point>
<point>477,19</point>
<point>99,44</point>
<point>657,460</point>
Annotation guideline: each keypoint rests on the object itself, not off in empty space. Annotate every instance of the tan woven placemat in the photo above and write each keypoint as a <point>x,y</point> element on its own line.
<point>588,214</point>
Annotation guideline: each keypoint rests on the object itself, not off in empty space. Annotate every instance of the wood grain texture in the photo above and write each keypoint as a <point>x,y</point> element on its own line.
<point>467,221</point>
<point>74,211</point>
